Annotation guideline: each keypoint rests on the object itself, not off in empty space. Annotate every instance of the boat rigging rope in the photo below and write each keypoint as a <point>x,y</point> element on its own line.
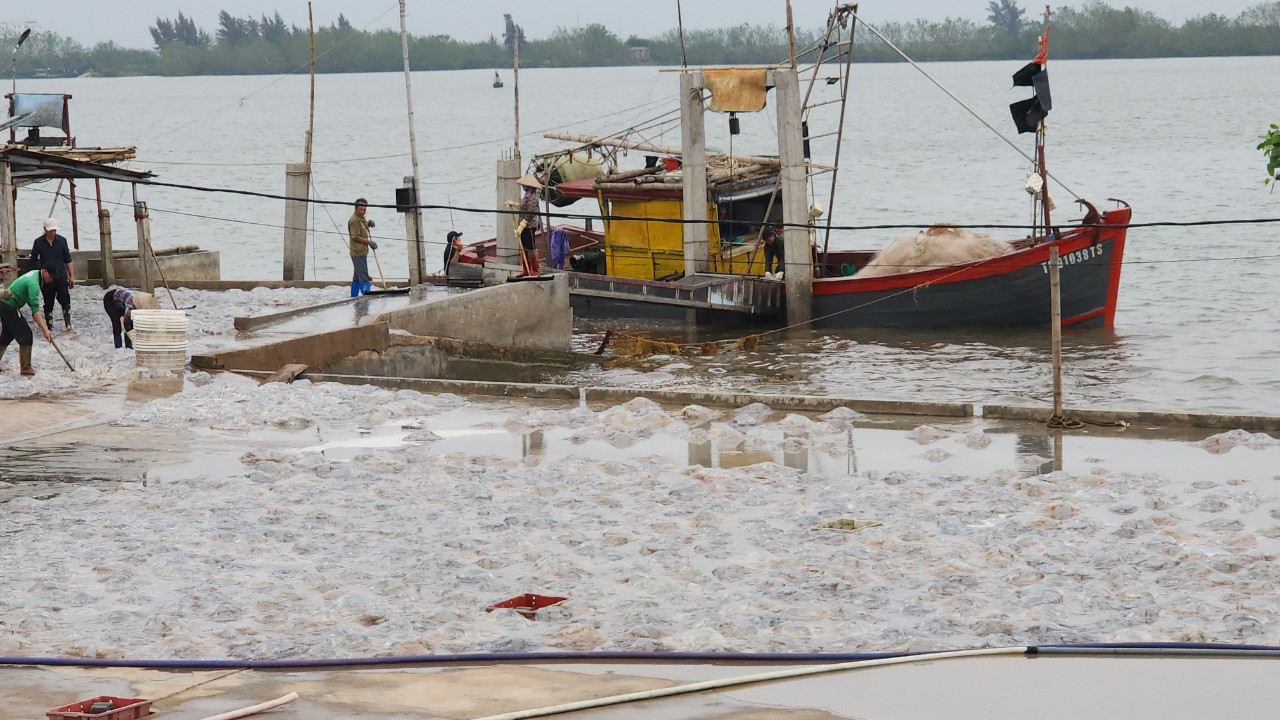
<point>962,104</point>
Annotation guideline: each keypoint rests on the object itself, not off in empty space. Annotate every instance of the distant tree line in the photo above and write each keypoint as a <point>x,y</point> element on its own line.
<point>267,45</point>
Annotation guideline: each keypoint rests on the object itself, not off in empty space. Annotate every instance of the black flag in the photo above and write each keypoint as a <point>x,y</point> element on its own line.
<point>1029,113</point>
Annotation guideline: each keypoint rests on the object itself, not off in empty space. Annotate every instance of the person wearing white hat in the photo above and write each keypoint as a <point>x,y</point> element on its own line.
<point>52,247</point>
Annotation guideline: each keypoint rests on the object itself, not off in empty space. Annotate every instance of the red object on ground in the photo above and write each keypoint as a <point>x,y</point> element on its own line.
<point>671,164</point>
<point>527,604</point>
<point>125,709</point>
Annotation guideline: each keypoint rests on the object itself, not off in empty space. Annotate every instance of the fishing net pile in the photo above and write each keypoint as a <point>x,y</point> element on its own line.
<point>939,246</point>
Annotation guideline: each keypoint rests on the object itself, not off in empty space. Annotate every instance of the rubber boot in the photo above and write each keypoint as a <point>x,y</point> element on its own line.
<point>355,288</point>
<point>66,320</point>
<point>534,269</point>
<point>128,341</point>
<point>24,358</point>
<point>366,286</point>
<point>119,341</point>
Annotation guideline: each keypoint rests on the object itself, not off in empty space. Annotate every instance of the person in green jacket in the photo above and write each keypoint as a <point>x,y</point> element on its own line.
<point>24,291</point>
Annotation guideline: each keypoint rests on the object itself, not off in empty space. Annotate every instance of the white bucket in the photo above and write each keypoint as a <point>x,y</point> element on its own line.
<point>160,338</point>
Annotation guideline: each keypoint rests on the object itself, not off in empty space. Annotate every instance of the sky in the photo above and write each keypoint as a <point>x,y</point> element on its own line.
<point>126,21</point>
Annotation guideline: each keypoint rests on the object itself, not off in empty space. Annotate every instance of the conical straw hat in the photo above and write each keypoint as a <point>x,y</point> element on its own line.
<point>530,181</point>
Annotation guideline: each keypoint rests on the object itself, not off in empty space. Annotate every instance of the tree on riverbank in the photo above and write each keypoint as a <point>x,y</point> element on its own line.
<point>266,45</point>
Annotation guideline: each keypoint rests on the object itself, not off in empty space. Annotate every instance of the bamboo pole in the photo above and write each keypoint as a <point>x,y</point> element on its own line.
<point>311,121</point>
<point>515,72</point>
<point>1055,330</point>
<point>415,240</point>
<point>791,35</point>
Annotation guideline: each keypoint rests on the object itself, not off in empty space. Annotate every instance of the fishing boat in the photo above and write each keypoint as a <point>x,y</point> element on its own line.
<point>634,267</point>
<point>497,79</point>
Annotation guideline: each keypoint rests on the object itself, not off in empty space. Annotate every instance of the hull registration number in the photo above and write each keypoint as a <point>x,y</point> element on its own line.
<point>1077,256</point>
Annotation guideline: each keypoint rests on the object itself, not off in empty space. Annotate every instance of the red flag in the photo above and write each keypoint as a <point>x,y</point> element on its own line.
<point>1042,42</point>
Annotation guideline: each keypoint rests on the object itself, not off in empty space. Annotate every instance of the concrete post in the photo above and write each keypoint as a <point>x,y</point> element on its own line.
<point>297,184</point>
<point>795,205</point>
<point>508,191</point>
<point>413,232</point>
<point>8,229</point>
<point>693,148</point>
<point>144,247</point>
<point>414,222</point>
<point>108,255</point>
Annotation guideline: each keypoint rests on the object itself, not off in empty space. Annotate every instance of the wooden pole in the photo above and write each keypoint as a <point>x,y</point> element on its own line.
<point>75,220</point>
<point>515,72</point>
<point>144,243</point>
<point>104,241</point>
<point>311,120</point>
<point>1055,329</point>
<point>414,222</point>
<point>8,230</point>
<point>680,24</point>
<point>791,35</point>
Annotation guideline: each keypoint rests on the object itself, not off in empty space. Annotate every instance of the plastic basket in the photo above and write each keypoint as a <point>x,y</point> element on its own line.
<point>125,709</point>
<point>160,338</point>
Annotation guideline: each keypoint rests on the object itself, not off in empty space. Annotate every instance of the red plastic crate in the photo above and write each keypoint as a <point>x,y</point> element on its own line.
<point>125,709</point>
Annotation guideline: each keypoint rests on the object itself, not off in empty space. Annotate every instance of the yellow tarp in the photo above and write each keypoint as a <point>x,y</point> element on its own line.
<point>736,90</point>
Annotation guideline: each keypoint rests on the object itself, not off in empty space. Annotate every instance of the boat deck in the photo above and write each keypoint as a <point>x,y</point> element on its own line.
<point>728,293</point>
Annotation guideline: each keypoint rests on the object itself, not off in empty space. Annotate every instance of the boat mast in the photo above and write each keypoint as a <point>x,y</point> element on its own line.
<point>1043,58</point>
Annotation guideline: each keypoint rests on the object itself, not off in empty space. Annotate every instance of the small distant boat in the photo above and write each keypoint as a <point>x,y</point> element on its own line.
<point>497,79</point>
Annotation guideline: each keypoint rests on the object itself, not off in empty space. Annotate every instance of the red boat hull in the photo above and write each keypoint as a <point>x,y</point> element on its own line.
<point>1008,291</point>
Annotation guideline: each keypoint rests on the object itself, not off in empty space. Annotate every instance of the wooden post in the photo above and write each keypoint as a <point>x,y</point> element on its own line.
<point>104,242</point>
<point>1055,329</point>
<point>297,188</point>
<point>75,221</point>
<point>508,191</point>
<point>795,204</point>
<point>693,149</point>
<point>8,230</point>
<point>144,245</point>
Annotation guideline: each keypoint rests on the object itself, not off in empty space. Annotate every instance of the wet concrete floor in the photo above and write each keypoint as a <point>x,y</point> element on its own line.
<point>976,687</point>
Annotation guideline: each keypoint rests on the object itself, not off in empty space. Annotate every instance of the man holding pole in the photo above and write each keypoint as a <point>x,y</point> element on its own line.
<point>24,291</point>
<point>52,247</point>
<point>361,243</point>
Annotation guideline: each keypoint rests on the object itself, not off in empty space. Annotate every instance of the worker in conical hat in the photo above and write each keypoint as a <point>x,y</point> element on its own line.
<point>527,229</point>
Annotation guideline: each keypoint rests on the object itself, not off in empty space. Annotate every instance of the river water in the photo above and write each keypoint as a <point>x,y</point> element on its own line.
<point>1195,329</point>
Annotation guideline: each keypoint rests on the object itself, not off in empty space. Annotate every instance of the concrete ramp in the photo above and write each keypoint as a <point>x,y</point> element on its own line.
<point>530,315</point>
<point>530,318</point>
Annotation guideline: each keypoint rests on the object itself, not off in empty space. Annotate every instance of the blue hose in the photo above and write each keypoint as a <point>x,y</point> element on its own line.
<point>1083,649</point>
